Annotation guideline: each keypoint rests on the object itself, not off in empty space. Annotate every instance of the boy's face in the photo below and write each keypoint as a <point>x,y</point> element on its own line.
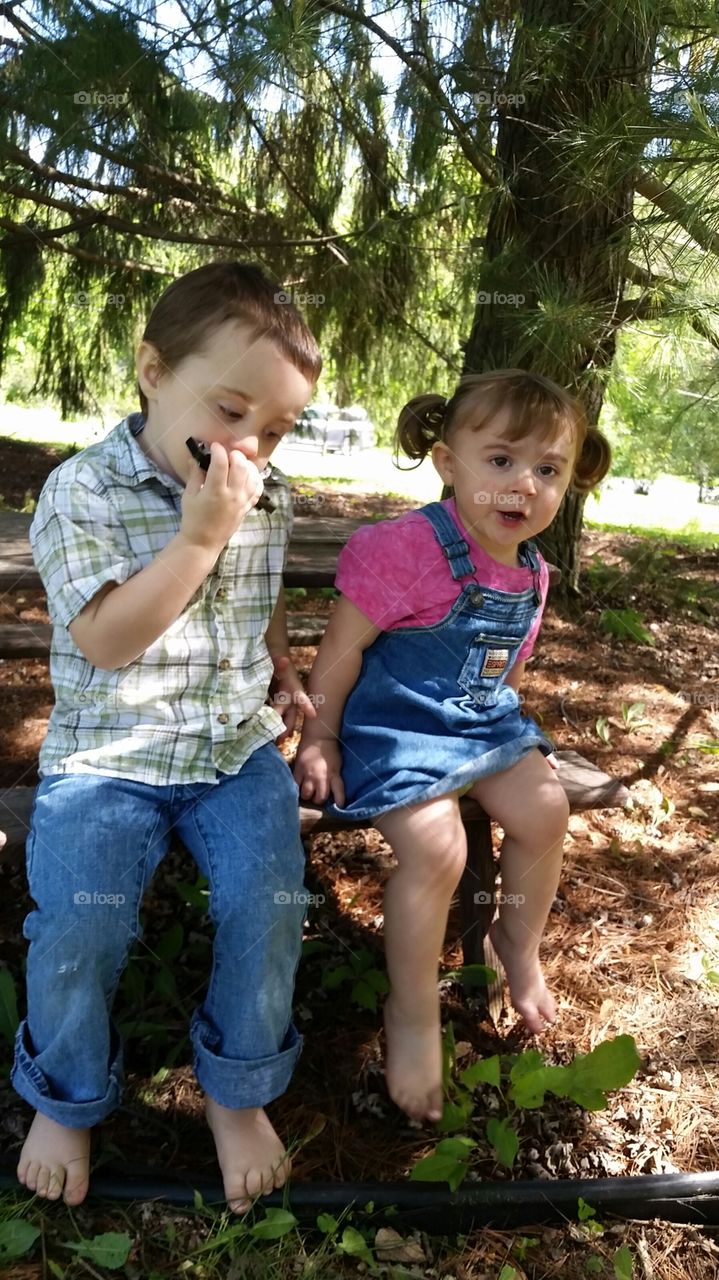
<point>239,390</point>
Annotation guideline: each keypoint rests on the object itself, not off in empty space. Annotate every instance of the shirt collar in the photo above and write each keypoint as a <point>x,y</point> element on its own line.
<point>132,463</point>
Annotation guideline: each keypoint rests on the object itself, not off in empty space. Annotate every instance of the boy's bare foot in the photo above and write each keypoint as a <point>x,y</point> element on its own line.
<point>529,992</point>
<point>251,1157</point>
<point>414,1064</point>
<point>55,1161</point>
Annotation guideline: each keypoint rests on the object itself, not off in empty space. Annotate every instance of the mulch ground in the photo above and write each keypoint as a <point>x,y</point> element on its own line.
<point>631,947</point>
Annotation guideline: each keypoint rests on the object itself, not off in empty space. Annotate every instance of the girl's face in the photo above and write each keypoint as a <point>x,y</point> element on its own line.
<point>239,390</point>
<point>505,490</point>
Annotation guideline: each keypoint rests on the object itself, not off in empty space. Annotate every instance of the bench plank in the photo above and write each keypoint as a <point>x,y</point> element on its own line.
<point>311,557</point>
<point>32,639</point>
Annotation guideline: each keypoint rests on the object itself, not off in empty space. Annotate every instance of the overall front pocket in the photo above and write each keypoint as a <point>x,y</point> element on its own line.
<point>489,660</point>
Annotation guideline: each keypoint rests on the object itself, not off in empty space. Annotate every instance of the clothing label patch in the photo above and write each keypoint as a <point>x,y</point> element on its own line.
<point>495,662</point>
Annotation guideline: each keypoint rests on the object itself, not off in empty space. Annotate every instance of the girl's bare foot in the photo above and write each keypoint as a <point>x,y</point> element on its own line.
<point>529,992</point>
<point>55,1161</point>
<point>414,1064</point>
<point>251,1157</point>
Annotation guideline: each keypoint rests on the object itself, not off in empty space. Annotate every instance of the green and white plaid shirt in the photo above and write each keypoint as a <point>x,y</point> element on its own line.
<point>194,702</point>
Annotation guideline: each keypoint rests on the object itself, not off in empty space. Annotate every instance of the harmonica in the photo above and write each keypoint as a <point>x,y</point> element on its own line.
<point>202,458</point>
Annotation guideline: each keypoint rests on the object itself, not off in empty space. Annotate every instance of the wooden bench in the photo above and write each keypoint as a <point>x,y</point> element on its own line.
<point>311,563</point>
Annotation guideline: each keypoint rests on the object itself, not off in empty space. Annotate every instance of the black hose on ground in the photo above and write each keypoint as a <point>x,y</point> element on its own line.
<point>673,1197</point>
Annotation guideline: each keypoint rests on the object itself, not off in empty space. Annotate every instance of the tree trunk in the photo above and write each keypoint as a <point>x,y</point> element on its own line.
<point>558,235</point>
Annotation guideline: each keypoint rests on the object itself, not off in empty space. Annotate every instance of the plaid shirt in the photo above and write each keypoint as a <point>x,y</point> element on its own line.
<point>194,702</point>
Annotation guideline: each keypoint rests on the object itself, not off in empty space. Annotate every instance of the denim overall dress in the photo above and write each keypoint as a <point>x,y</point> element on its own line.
<point>431,712</point>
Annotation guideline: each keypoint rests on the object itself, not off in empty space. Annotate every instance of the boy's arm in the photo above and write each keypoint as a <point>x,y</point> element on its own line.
<point>335,671</point>
<point>123,620</point>
<point>287,694</point>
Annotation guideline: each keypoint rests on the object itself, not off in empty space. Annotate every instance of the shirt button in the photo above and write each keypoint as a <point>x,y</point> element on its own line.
<point>225,664</point>
<point>222,718</point>
<point>221,593</point>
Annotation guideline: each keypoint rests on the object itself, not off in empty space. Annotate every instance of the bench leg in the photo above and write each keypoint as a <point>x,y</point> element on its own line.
<point>477,905</point>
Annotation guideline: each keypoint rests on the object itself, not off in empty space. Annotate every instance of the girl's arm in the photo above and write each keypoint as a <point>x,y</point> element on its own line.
<point>335,671</point>
<point>515,676</point>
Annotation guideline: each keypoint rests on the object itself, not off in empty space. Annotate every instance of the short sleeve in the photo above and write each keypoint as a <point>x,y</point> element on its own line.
<point>527,648</point>
<point>79,544</point>
<point>377,570</point>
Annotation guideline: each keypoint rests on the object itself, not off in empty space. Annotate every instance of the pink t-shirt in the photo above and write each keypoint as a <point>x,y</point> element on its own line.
<point>397,574</point>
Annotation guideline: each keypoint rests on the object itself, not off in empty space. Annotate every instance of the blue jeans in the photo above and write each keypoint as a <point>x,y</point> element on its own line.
<point>94,845</point>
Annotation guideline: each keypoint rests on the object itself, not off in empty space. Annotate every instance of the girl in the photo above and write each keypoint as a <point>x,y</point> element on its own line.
<point>164,585</point>
<point>419,670</point>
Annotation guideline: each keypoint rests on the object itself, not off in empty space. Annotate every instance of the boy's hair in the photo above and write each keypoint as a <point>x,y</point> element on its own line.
<point>533,401</point>
<point>196,304</point>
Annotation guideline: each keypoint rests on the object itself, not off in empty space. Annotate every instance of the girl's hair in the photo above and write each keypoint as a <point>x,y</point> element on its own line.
<point>533,401</point>
<point>187,314</point>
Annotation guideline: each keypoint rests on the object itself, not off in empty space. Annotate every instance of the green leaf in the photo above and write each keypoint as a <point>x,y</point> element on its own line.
<point>594,1264</point>
<point>610,1066</point>
<point>504,1140</point>
<point>447,1163</point>
<point>110,1250</point>
<point>455,1115</point>
<point>334,977</point>
<point>169,946</point>
<point>625,624</point>
<point>472,975</point>
<point>623,1264</point>
<point>327,1223</point>
<point>196,895</point>
<point>584,1210</point>
<point>56,1270</point>
<point>486,1071</point>
<point>354,1243</point>
<point>313,946</point>
<point>16,1238</point>
<point>508,1273</point>
<point>8,1006</point>
<point>276,1223</point>
<point>530,1088</point>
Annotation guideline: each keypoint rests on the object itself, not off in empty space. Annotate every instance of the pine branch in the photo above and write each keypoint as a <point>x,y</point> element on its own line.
<point>678,209</point>
<point>484,165</point>
<point>21,231</point>
<point>116,223</point>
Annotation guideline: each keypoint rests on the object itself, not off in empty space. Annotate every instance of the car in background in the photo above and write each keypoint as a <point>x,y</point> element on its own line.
<point>334,430</point>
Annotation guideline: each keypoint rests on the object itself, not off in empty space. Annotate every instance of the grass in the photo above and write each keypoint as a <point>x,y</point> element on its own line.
<point>687,535</point>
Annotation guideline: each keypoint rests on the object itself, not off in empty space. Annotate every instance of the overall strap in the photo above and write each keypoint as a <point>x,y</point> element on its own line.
<point>529,556</point>
<point>449,538</point>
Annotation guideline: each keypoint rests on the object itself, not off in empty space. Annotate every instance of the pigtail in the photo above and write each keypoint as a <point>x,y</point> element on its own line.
<point>420,425</point>
<point>593,463</point>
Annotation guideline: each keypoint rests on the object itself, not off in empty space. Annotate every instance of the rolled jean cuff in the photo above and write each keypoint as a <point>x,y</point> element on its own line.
<point>32,1085</point>
<point>242,1082</point>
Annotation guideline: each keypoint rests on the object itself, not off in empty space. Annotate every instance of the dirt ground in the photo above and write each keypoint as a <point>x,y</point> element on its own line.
<point>632,944</point>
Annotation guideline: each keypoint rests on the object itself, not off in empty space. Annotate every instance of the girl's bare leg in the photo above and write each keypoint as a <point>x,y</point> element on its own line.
<point>530,804</point>
<point>429,843</point>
